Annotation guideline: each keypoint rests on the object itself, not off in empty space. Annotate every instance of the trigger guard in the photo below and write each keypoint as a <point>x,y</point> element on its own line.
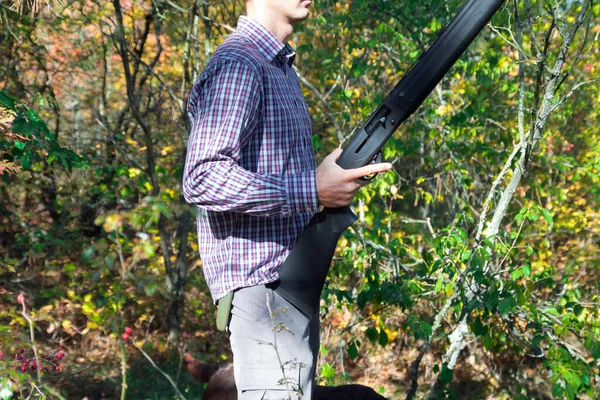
<point>376,160</point>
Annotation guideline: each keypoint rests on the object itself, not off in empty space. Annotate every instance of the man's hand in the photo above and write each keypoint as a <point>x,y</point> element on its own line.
<point>336,186</point>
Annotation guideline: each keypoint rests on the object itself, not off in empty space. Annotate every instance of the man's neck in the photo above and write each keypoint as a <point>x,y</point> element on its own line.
<point>277,26</point>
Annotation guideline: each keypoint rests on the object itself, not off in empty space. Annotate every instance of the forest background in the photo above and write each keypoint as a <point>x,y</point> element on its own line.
<point>473,269</point>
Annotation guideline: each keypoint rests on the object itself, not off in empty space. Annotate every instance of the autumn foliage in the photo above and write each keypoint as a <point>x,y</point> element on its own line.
<point>473,269</point>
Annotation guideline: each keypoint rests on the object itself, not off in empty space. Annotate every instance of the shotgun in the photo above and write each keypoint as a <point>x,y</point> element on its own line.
<point>302,275</point>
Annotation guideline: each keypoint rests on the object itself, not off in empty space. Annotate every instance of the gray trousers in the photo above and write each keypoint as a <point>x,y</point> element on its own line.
<point>274,354</point>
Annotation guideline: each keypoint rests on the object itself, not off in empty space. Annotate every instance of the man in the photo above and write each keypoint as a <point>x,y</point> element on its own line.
<point>250,169</point>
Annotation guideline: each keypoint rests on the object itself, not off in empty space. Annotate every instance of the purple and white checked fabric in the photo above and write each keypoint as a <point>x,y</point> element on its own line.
<point>250,165</point>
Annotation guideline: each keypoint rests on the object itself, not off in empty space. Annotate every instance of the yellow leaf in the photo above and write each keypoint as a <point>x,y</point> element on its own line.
<point>91,325</point>
<point>166,150</point>
<point>391,334</point>
<point>133,172</point>
<point>113,222</point>
<point>66,324</point>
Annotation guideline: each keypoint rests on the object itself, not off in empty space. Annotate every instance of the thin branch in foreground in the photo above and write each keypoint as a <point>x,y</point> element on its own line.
<point>181,396</point>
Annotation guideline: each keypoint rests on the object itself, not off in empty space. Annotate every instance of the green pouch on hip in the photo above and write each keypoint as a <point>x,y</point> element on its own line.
<point>223,311</point>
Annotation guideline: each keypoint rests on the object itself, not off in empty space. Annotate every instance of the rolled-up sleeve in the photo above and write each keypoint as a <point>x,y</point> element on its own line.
<point>227,110</point>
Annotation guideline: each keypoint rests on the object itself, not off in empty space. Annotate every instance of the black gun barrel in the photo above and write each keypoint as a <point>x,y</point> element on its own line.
<point>418,82</point>
<point>303,273</point>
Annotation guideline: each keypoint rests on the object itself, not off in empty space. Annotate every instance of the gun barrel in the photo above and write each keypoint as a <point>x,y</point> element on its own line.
<point>418,82</point>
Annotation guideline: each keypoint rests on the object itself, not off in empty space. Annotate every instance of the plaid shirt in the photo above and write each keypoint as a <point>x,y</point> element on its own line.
<point>250,165</point>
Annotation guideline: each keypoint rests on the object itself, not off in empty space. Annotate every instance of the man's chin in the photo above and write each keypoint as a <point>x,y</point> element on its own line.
<point>301,17</point>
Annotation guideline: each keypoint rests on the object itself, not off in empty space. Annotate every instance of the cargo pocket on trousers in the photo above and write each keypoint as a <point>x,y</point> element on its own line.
<point>268,395</point>
<point>258,383</point>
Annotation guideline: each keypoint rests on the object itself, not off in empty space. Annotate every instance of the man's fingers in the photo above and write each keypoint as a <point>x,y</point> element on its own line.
<point>336,153</point>
<point>370,170</point>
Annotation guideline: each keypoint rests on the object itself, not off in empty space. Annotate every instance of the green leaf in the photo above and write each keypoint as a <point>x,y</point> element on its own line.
<point>595,350</point>
<point>20,145</point>
<point>465,256</point>
<point>21,126</point>
<point>372,334</point>
<point>557,391</point>
<point>150,288</point>
<point>27,160</point>
<point>148,249</point>
<point>426,328</point>
<point>110,260</point>
<point>478,328</point>
<point>439,284</point>
<point>516,274</point>
<point>572,379</point>
<point>6,101</point>
<point>362,299</point>
<point>546,215</point>
<point>505,305</point>
<point>532,215</point>
<point>353,350</point>
<point>447,374</point>
<point>552,311</point>
<point>88,253</point>
<point>327,371</point>
<point>69,268</point>
<point>383,338</point>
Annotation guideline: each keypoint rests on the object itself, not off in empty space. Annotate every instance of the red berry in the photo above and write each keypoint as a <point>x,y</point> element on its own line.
<point>41,367</point>
<point>125,337</point>
<point>21,351</point>
<point>33,366</point>
<point>1,355</point>
<point>23,369</point>
<point>57,368</point>
<point>128,330</point>
<point>21,298</point>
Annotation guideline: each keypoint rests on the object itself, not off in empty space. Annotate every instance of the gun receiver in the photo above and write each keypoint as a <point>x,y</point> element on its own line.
<point>303,273</point>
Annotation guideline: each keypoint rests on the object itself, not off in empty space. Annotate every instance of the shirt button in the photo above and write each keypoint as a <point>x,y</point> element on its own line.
<point>308,209</point>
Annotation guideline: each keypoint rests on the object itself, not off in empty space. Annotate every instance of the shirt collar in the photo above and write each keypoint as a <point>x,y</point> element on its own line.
<point>268,45</point>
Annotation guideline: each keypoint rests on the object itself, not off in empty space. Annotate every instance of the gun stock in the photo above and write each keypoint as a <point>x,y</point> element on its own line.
<point>303,273</point>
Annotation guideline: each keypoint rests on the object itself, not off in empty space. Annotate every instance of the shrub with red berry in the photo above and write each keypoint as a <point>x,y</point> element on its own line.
<point>26,362</point>
<point>126,334</point>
